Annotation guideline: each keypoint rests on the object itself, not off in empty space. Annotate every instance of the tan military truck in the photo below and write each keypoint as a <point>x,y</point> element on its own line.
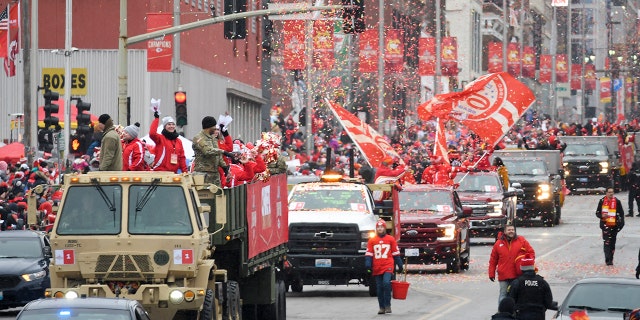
<point>183,248</point>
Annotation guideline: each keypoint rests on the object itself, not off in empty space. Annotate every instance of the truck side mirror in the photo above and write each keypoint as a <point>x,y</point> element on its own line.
<point>47,252</point>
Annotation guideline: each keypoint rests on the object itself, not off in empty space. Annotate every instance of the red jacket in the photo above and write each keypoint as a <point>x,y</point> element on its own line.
<point>164,149</point>
<point>504,254</point>
<point>133,156</point>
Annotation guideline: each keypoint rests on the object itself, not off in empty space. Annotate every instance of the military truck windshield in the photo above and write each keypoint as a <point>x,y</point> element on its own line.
<point>165,210</point>
<point>431,201</point>
<point>87,210</point>
<point>341,200</point>
<point>477,183</point>
<point>526,167</point>
<point>585,150</point>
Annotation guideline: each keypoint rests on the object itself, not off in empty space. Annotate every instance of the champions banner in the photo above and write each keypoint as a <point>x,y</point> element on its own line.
<point>449,56</point>
<point>495,57</point>
<point>393,51</point>
<point>427,54</point>
<point>529,62</point>
<point>267,216</point>
<point>489,106</point>
<point>294,45</point>
<point>545,69</point>
<point>562,68</point>
<point>513,59</point>
<point>323,58</point>
<point>590,76</point>
<point>605,90</point>
<point>373,146</point>
<point>160,49</point>
<point>576,73</point>
<point>368,51</point>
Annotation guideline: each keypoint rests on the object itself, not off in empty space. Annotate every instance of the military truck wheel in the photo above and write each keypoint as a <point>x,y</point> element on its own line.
<point>454,265</point>
<point>373,287</point>
<point>278,309</point>
<point>232,307</point>
<point>208,307</point>
<point>296,285</point>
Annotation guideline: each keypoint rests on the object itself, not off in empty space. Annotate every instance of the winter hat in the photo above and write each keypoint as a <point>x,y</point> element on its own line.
<point>507,304</point>
<point>103,118</point>
<point>527,262</point>
<point>166,120</point>
<point>208,122</point>
<point>133,130</point>
<point>381,223</point>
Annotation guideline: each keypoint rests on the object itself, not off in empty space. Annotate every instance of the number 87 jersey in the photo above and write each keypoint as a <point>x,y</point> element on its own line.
<point>382,250</point>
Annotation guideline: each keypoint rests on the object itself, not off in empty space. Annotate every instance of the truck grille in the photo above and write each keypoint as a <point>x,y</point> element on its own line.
<point>123,266</point>
<point>583,167</point>
<point>324,239</point>
<point>8,282</point>
<point>420,233</point>
<point>479,208</point>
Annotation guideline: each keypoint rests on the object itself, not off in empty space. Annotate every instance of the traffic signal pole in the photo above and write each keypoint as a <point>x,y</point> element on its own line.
<point>124,41</point>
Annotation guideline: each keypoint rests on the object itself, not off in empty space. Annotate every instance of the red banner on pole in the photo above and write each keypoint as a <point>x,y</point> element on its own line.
<point>628,89</point>
<point>605,90</point>
<point>590,76</point>
<point>529,62</point>
<point>545,69</point>
<point>513,59</point>
<point>323,43</point>
<point>267,215</point>
<point>393,51</point>
<point>11,38</point>
<point>449,61</point>
<point>495,57</point>
<point>369,51</point>
<point>160,49</point>
<point>294,45</point>
<point>427,54</point>
<point>576,74</point>
<point>562,68</point>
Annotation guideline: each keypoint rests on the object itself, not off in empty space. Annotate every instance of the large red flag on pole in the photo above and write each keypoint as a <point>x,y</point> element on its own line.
<point>372,145</point>
<point>489,106</point>
<point>13,40</point>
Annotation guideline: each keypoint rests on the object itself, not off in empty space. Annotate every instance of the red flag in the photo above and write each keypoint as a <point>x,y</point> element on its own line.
<point>323,58</point>
<point>513,59</point>
<point>440,146</point>
<point>373,146</point>
<point>369,51</point>
<point>4,27</point>
<point>294,45</point>
<point>490,105</point>
<point>160,49</point>
<point>449,60</point>
<point>13,40</point>
<point>529,62</point>
<point>576,73</point>
<point>427,53</point>
<point>605,90</point>
<point>590,76</point>
<point>545,69</point>
<point>562,68</point>
<point>495,57</point>
<point>393,51</point>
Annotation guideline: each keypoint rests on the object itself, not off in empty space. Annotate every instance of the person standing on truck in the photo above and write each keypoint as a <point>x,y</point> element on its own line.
<point>169,153</point>
<point>381,256</point>
<point>133,155</point>
<point>208,157</point>
<point>502,171</point>
<point>110,145</point>
<point>506,249</point>
<point>611,215</point>
<point>634,188</point>
<point>531,292</point>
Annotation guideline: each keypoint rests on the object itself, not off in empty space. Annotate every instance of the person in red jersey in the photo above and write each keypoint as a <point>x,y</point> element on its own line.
<point>381,256</point>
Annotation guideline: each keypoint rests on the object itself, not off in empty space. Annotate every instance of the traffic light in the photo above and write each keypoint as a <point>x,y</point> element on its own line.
<point>84,119</point>
<point>45,140</point>
<point>235,29</point>
<point>75,143</point>
<point>181,108</point>
<point>353,16</point>
<point>50,108</point>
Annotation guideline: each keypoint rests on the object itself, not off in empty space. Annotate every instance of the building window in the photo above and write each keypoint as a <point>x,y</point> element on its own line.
<point>246,117</point>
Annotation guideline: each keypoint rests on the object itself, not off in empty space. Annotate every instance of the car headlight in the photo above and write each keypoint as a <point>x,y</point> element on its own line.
<point>544,191</point>
<point>365,236</point>
<point>71,295</point>
<point>449,232</point>
<point>604,167</point>
<point>176,296</point>
<point>564,164</point>
<point>497,208</point>
<point>34,276</point>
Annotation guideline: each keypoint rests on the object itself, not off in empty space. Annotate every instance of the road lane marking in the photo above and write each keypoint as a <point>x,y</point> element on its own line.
<point>454,303</point>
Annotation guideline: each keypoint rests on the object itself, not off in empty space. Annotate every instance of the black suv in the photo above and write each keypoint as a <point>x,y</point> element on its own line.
<point>24,267</point>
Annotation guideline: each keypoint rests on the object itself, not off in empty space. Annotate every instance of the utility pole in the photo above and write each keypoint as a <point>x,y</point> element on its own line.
<point>67,85</point>
<point>380,66</point>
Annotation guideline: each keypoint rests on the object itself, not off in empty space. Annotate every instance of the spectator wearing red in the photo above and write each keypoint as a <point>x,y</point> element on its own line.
<point>169,153</point>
